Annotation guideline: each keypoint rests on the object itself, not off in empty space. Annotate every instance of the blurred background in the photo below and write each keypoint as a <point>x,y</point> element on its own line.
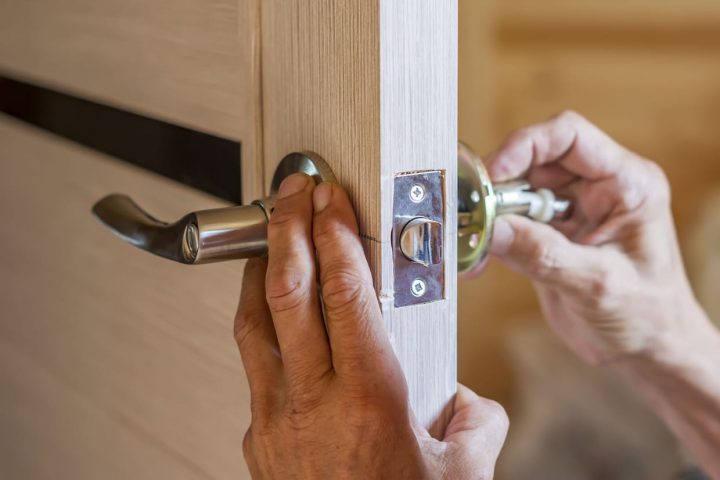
<point>648,73</point>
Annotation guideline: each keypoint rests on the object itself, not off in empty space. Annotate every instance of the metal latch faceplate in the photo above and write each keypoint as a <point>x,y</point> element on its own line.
<point>418,238</point>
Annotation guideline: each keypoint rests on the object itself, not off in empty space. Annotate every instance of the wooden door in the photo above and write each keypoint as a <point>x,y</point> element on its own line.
<point>117,364</point>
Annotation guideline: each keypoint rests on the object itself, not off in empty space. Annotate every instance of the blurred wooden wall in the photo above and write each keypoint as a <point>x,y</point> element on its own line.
<point>646,71</point>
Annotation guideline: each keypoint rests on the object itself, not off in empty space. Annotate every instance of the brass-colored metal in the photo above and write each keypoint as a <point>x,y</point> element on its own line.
<point>480,202</point>
<point>476,210</point>
<point>209,235</point>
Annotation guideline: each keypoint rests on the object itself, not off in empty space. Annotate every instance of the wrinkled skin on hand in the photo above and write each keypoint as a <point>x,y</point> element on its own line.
<point>328,397</point>
<point>610,279</point>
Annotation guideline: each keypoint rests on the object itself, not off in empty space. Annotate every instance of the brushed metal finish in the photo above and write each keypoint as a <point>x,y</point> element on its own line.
<point>209,235</point>
<point>519,198</point>
<point>199,237</point>
<point>309,163</point>
<point>231,233</point>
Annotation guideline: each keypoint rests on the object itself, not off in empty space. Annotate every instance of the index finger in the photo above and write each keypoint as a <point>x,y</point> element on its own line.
<point>354,321</point>
<point>569,139</point>
<point>255,336</point>
<point>290,287</point>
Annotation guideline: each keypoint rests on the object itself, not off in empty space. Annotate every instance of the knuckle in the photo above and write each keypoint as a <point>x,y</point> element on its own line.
<point>283,220</point>
<point>261,408</point>
<point>372,410</point>
<point>263,419</point>
<point>543,260</point>
<point>600,285</point>
<point>660,182</point>
<point>498,415</point>
<point>306,380</point>
<point>519,136</point>
<point>287,289</point>
<point>333,232</point>
<point>643,185</point>
<point>386,395</point>
<point>570,116</point>
<point>247,446</point>
<point>355,362</point>
<point>343,290</point>
<point>302,410</point>
<point>246,322</point>
<point>602,291</point>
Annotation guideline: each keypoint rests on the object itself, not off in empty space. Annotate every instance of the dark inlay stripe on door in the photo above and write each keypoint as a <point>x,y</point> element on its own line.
<point>195,158</point>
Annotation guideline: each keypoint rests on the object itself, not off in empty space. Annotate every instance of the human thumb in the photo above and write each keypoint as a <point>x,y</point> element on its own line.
<point>542,253</point>
<point>475,435</point>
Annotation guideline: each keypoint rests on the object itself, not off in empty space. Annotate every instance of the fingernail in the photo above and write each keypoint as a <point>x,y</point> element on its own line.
<point>293,184</point>
<point>503,236</point>
<point>322,196</point>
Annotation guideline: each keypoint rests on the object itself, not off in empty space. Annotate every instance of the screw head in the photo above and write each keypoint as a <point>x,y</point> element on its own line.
<point>417,193</point>
<point>418,288</point>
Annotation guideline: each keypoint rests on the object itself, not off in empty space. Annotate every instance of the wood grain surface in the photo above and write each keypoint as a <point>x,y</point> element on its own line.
<point>190,62</point>
<point>115,364</point>
<point>116,371</point>
<point>371,87</point>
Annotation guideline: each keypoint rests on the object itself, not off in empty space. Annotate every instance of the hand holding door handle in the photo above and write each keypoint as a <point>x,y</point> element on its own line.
<point>241,232</point>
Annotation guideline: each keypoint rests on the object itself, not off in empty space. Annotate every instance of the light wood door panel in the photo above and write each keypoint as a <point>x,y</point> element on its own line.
<point>130,358</point>
<point>190,62</point>
<point>184,61</point>
<point>372,87</point>
<point>115,363</point>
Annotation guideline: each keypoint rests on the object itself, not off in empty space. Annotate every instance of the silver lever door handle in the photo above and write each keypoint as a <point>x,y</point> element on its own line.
<point>209,235</point>
<point>199,237</point>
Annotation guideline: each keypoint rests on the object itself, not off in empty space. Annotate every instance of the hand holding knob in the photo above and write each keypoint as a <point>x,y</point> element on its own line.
<point>480,202</point>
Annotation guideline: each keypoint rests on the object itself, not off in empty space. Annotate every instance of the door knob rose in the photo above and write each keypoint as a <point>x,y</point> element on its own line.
<point>480,202</point>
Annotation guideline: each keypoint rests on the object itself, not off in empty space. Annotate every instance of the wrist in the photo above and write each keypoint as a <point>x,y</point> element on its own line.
<point>678,360</point>
<point>679,378</point>
<point>691,346</point>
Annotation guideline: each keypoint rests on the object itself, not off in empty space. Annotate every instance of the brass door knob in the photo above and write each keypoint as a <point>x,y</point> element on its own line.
<point>480,202</point>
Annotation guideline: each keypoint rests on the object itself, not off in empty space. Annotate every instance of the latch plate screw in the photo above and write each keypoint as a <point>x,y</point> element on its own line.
<point>419,287</point>
<point>417,193</point>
